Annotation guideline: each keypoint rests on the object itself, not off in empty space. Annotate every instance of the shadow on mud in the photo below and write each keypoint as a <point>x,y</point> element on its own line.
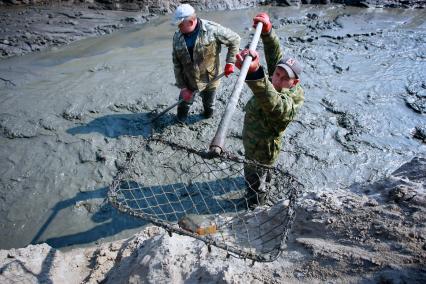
<point>116,125</point>
<point>113,222</point>
<point>103,212</point>
<point>169,119</point>
<point>138,124</point>
<point>169,203</point>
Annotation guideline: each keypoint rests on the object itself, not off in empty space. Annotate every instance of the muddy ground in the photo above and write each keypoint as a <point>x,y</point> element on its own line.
<point>69,116</point>
<point>28,28</point>
<point>34,28</point>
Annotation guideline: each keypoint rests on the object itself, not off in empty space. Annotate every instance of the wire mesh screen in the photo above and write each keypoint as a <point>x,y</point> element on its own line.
<point>187,192</point>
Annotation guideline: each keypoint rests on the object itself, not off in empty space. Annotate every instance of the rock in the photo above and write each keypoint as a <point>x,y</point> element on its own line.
<point>372,203</point>
<point>72,114</point>
<point>420,133</point>
<point>130,20</point>
<point>401,193</point>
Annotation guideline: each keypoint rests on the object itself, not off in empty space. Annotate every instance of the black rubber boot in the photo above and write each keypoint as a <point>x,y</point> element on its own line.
<point>208,112</point>
<point>261,198</point>
<point>254,198</point>
<point>182,113</point>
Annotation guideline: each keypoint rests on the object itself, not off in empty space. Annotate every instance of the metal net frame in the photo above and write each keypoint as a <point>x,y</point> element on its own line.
<point>171,185</point>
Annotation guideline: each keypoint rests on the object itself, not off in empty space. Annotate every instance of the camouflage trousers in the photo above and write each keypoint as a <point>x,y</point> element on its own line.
<point>257,179</point>
<point>208,97</point>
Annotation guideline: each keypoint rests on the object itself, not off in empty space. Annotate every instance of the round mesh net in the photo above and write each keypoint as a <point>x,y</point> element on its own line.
<point>188,192</point>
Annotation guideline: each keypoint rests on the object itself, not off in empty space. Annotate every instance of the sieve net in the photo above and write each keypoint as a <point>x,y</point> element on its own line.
<point>190,193</point>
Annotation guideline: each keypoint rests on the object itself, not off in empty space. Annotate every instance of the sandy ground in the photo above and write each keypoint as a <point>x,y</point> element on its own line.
<point>70,115</point>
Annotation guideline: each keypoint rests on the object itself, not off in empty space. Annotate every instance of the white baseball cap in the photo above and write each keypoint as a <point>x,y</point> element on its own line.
<point>182,11</point>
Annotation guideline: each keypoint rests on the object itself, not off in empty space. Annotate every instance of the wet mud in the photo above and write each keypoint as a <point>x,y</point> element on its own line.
<point>34,28</point>
<point>69,117</point>
<point>27,27</point>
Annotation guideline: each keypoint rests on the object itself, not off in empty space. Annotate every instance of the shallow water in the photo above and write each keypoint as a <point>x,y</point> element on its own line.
<point>74,112</point>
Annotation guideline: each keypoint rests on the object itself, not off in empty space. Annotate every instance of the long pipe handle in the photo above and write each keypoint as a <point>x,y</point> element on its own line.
<point>216,146</point>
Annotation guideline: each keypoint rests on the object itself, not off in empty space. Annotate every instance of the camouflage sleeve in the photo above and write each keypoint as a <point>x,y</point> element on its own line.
<point>273,52</point>
<point>231,40</point>
<point>280,107</point>
<point>177,68</point>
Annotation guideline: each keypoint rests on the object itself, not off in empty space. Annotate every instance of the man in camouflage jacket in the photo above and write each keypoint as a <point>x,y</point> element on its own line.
<point>196,49</point>
<point>273,106</point>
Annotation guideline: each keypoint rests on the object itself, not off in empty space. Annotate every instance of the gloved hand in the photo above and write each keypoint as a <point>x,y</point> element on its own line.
<point>254,65</point>
<point>263,18</point>
<point>186,94</point>
<point>229,69</point>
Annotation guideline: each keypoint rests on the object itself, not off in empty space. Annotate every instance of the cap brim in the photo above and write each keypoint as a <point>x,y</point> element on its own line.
<point>176,22</point>
<point>289,71</point>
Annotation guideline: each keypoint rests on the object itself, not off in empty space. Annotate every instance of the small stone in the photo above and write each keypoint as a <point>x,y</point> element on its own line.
<point>299,275</point>
<point>101,260</point>
<point>286,203</point>
<point>115,246</point>
<point>372,203</point>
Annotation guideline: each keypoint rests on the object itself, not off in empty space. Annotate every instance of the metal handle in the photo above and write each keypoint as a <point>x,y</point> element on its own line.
<point>181,100</point>
<point>216,146</point>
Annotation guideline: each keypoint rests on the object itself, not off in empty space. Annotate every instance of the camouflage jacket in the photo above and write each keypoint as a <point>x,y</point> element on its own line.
<point>206,64</point>
<point>269,112</point>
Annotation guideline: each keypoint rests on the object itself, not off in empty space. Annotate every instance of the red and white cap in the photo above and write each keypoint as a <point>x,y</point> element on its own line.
<point>291,65</point>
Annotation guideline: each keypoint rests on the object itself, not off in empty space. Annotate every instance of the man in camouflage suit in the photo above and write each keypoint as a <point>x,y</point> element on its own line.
<point>196,50</point>
<point>274,105</point>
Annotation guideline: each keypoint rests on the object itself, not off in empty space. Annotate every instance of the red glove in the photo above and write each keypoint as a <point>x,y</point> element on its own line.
<point>263,18</point>
<point>186,94</point>
<point>229,69</point>
<point>254,65</point>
